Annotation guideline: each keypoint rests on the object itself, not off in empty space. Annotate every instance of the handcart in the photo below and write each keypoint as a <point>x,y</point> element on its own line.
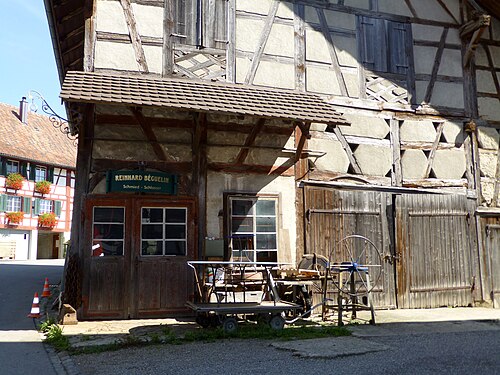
<point>227,291</point>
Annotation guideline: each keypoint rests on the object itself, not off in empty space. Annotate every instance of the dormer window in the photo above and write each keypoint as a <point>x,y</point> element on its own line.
<point>200,23</point>
<point>12,166</point>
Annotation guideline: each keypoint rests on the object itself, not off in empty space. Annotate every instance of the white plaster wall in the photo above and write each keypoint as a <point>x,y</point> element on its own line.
<point>274,74</point>
<point>335,159</point>
<point>362,4</point>
<point>417,131</point>
<point>488,163</point>
<point>413,164</point>
<point>449,164</point>
<point>254,6</point>
<point>430,9</point>
<point>323,81</point>
<point>448,95</point>
<point>364,126</point>
<point>106,56</point>
<point>484,82</point>
<point>248,33</point>
<point>394,7</point>
<point>374,160</point>
<point>218,183</point>
<point>426,32</point>
<point>340,20</point>
<point>347,50</point>
<point>424,59</point>
<point>317,47</point>
<point>451,63</point>
<point>489,108</point>
<point>110,17</point>
<point>154,58</point>
<point>488,138</point>
<point>276,44</point>
<point>149,20</point>
<point>453,132</point>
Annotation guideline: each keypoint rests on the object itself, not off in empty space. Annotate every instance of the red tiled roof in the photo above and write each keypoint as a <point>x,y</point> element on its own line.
<point>37,141</point>
<point>202,96</point>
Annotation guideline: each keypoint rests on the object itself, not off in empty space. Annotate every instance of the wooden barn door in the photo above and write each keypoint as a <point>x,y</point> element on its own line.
<point>433,240</point>
<point>493,255</point>
<point>164,241</point>
<point>333,214</point>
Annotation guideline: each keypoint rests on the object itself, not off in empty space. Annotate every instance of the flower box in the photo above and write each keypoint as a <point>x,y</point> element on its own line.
<point>43,187</point>
<point>47,220</point>
<point>14,217</point>
<point>14,181</point>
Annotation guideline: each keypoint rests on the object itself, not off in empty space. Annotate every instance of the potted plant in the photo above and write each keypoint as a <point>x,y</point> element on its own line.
<point>47,220</point>
<point>14,181</point>
<point>43,187</point>
<point>14,217</point>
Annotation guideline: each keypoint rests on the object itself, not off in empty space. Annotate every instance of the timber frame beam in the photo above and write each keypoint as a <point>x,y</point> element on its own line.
<point>475,29</point>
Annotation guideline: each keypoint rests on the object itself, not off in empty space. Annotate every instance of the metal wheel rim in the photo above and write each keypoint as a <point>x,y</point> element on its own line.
<point>230,325</point>
<point>356,268</point>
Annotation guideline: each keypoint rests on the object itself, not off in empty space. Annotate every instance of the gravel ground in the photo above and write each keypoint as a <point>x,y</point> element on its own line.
<point>425,353</point>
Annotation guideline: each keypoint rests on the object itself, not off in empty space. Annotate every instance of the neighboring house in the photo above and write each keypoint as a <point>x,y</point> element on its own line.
<point>34,223</point>
<point>293,123</point>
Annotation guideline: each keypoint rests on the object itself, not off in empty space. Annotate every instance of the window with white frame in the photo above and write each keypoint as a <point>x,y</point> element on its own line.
<point>45,206</point>
<point>59,177</point>
<point>164,231</point>
<point>253,228</point>
<point>40,173</point>
<point>108,231</point>
<point>13,203</point>
<point>11,166</point>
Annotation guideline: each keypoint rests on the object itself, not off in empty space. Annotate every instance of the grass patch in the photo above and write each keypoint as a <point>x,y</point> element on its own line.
<point>54,336</point>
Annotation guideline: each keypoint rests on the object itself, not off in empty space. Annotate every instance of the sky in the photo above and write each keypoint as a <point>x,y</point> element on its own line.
<point>27,59</point>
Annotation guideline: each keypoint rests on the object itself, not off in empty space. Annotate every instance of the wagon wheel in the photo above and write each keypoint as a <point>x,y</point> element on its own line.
<point>314,262</point>
<point>277,322</point>
<point>230,325</point>
<point>362,272</point>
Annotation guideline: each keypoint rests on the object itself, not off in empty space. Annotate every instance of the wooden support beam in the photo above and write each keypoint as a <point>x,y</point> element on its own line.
<point>333,52</point>
<point>435,68</point>
<point>150,135</point>
<point>447,10</point>
<point>135,38</point>
<point>300,54</point>
<point>347,149</point>
<point>302,131</point>
<point>264,36</point>
<point>103,165</point>
<point>286,169</point>
<point>168,29</point>
<point>396,175</point>
<point>231,38</point>
<point>89,40</point>
<point>242,155</point>
<point>432,154</point>
<point>491,64</point>
<point>496,189</point>
<point>412,9</point>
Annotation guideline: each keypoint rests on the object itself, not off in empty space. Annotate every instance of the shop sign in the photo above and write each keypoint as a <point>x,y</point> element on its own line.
<point>141,182</point>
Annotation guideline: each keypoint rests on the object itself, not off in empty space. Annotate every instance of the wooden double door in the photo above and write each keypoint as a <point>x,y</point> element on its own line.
<point>426,242</point>
<point>135,266</point>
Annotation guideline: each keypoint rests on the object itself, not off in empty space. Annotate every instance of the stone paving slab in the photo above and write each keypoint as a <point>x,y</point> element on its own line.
<point>330,347</point>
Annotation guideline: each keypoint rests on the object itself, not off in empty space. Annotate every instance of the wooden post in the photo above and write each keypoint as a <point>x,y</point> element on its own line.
<point>396,175</point>
<point>135,38</point>
<point>300,54</point>
<point>432,154</point>
<point>168,29</point>
<point>90,37</point>
<point>231,44</point>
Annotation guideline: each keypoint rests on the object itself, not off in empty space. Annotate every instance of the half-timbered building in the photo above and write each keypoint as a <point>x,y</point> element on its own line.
<point>295,122</point>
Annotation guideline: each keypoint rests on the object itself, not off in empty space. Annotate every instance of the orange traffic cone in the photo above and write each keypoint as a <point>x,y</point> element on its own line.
<point>46,289</point>
<point>35,307</point>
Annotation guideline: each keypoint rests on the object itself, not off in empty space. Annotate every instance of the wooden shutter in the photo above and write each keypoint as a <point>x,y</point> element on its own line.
<point>27,205</point>
<point>50,174</point>
<point>397,36</point>
<point>32,172</point>
<point>373,44</point>
<point>36,208</point>
<point>3,202</point>
<point>24,169</point>
<point>57,208</point>
<point>3,167</point>
<point>215,23</point>
<point>185,21</point>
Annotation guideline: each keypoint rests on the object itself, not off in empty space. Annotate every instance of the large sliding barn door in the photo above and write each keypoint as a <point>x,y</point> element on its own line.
<point>333,214</point>
<point>436,262</point>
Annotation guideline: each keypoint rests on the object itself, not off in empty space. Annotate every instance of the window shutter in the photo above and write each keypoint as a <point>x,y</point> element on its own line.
<point>215,24</point>
<point>36,209</point>
<point>24,169</point>
<point>32,172</point>
<point>3,167</point>
<point>373,44</point>
<point>50,174</point>
<point>57,208</point>
<point>185,25</point>
<point>27,205</point>
<point>3,202</point>
<point>396,35</point>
